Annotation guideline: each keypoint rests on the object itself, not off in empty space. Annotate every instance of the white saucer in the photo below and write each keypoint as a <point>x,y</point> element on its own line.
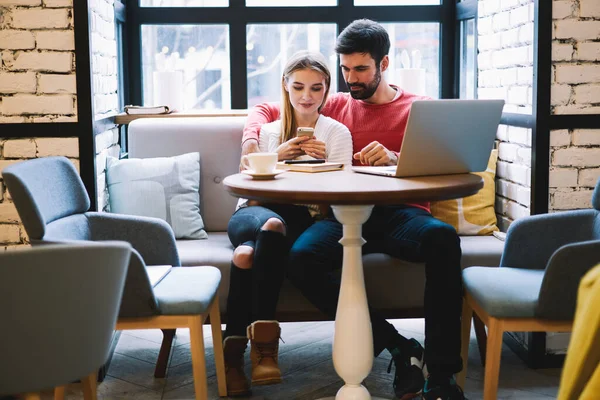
<point>262,175</point>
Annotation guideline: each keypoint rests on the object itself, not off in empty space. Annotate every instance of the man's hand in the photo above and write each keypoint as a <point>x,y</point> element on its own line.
<point>292,148</point>
<point>314,148</point>
<point>376,154</point>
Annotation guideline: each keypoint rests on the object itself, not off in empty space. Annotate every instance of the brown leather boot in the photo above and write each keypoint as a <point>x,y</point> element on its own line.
<point>264,346</point>
<point>233,351</point>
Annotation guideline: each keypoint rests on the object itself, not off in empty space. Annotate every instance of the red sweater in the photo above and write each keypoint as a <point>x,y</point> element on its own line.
<point>385,123</point>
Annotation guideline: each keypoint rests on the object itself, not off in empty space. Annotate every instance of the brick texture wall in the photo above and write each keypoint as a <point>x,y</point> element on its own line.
<point>505,66</point>
<point>37,84</point>
<point>37,73</point>
<point>575,153</point>
<point>106,100</point>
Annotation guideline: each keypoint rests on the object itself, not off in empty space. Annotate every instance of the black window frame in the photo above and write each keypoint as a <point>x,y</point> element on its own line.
<point>465,10</point>
<point>237,16</point>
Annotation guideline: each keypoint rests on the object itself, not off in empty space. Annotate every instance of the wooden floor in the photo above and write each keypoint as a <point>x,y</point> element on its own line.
<point>306,364</point>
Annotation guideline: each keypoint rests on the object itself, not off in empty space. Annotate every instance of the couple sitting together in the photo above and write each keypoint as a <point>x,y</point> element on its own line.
<point>365,126</point>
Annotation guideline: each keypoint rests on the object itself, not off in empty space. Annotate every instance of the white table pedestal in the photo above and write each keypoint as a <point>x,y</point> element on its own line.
<point>353,339</point>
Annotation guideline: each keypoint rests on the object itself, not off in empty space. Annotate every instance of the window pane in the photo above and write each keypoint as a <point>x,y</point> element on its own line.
<point>415,57</point>
<point>396,2</point>
<point>290,3</point>
<point>270,45</point>
<point>186,66</point>
<point>184,3</point>
<point>467,60</point>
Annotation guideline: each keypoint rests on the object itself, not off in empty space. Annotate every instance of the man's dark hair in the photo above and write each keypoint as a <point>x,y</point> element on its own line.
<point>364,36</point>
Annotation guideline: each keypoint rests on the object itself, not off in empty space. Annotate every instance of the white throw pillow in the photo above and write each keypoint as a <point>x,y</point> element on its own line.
<point>163,187</point>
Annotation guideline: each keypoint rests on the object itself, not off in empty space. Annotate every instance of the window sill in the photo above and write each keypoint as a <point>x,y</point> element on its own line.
<point>123,118</point>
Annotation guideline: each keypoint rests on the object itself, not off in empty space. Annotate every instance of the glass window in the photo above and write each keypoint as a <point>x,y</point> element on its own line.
<point>290,3</point>
<point>396,2</point>
<point>468,77</point>
<point>186,66</point>
<point>415,57</point>
<point>184,3</point>
<point>268,48</point>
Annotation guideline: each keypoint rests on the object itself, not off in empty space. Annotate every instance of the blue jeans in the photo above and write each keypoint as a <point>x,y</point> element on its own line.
<point>405,232</point>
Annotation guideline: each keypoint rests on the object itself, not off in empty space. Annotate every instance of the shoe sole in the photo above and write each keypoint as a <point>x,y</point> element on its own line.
<point>263,382</point>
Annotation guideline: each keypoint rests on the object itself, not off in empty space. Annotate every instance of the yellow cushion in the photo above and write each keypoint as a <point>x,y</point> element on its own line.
<point>472,215</point>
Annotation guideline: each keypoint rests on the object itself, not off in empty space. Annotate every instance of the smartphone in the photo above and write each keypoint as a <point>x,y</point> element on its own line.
<point>310,132</point>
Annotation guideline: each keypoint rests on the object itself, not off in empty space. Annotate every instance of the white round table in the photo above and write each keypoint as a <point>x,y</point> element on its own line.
<point>352,197</point>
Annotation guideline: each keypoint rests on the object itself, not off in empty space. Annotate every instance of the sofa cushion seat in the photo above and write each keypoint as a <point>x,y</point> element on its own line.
<point>216,250</point>
<point>484,251</point>
<point>383,274</point>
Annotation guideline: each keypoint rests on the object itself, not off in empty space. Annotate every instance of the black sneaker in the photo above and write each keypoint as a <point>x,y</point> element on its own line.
<point>442,389</point>
<point>408,377</point>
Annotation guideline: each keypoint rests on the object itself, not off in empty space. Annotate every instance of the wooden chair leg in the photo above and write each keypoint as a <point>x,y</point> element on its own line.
<point>481,337</point>
<point>32,396</point>
<point>88,385</point>
<point>198,357</point>
<point>492,361</point>
<point>465,338</point>
<point>59,392</point>
<point>215,325</point>
<point>160,371</point>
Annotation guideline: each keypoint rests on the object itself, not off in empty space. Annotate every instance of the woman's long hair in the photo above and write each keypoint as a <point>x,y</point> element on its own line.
<point>300,60</point>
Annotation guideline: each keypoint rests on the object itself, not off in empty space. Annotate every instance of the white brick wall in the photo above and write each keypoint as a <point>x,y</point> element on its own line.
<point>505,64</point>
<point>575,54</point>
<point>105,84</point>
<point>37,72</point>
<point>574,168</point>
<point>37,84</point>
<point>575,153</point>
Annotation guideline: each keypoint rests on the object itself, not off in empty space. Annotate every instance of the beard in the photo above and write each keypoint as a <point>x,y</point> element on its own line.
<point>367,89</point>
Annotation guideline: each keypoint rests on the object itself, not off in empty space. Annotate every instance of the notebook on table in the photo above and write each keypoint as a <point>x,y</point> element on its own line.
<point>306,167</point>
<point>445,137</point>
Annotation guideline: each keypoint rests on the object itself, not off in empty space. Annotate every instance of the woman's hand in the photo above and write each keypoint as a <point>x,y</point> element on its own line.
<point>292,148</point>
<point>314,148</point>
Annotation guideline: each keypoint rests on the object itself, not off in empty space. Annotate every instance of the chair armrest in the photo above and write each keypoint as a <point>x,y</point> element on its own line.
<point>153,238</point>
<point>531,241</point>
<point>558,294</point>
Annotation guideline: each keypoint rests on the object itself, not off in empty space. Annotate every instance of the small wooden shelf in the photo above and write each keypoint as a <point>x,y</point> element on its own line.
<point>123,118</point>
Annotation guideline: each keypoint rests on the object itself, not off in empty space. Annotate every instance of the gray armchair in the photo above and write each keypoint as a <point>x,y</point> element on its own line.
<point>535,288</point>
<point>60,309</point>
<point>53,206</point>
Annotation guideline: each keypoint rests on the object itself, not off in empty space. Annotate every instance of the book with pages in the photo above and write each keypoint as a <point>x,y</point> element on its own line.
<point>306,167</point>
<point>141,110</point>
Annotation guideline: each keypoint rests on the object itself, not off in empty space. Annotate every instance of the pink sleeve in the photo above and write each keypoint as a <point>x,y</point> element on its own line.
<point>257,116</point>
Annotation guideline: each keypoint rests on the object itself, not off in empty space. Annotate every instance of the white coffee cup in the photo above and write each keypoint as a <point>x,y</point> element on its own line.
<point>260,163</point>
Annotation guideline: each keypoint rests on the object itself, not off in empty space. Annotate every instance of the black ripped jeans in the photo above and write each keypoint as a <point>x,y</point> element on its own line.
<point>253,293</point>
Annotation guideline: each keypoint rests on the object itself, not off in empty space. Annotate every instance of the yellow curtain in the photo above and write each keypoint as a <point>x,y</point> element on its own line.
<point>580,378</point>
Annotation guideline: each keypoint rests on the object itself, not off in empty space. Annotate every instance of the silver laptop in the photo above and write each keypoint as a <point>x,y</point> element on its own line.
<point>445,137</point>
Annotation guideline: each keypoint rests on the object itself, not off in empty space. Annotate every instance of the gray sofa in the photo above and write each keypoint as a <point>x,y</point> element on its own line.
<point>395,287</point>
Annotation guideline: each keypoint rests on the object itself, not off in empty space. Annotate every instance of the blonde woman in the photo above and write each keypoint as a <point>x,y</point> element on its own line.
<point>263,234</point>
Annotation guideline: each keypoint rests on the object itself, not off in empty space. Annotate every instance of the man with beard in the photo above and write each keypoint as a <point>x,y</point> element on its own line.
<point>376,114</point>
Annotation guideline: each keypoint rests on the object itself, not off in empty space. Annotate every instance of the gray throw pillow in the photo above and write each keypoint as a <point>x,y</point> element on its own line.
<point>163,187</point>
